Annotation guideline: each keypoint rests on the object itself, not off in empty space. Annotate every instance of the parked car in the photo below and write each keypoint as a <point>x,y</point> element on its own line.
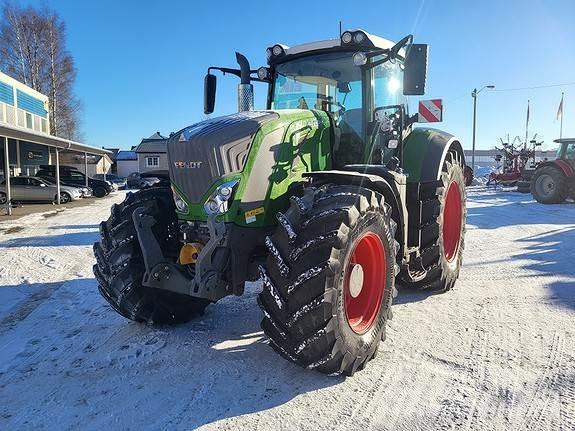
<point>136,181</point>
<point>34,189</point>
<point>73,176</point>
<point>115,179</point>
<point>86,191</point>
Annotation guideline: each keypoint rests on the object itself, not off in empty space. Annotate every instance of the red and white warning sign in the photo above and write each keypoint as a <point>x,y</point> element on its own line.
<point>430,111</point>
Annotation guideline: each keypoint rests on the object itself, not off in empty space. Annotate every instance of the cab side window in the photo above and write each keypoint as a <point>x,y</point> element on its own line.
<point>570,152</point>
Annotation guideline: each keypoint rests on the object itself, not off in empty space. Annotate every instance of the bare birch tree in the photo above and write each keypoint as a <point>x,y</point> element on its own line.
<point>33,51</point>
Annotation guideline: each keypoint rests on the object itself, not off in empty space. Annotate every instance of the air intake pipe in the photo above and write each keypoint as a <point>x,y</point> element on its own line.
<point>245,89</point>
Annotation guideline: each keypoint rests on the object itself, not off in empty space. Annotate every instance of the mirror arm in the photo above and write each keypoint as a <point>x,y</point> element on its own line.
<point>225,70</point>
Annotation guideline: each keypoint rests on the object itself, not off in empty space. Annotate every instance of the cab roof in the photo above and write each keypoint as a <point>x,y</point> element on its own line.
<point>370,42</point>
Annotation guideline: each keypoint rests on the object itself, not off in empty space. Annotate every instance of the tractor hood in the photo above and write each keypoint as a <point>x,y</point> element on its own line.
<point>200,154</point>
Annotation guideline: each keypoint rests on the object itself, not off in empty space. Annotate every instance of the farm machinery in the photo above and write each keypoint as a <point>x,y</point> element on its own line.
<point>554,180</point>
<point>329,197</point>
<point>513,163</point>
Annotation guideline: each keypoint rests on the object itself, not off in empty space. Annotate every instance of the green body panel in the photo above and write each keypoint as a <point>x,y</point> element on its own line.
<point>303,145</point>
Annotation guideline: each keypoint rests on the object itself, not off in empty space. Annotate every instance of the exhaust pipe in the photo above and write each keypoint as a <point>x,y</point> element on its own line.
<point>245,89</point>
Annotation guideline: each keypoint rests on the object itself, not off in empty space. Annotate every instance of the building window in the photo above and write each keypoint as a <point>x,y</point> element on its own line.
<point>152,162</point>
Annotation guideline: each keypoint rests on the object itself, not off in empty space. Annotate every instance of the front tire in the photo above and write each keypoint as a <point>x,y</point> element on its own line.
<point>330,279</point>
<point>120,266</point>
<point>549,185</point>
<point>2,198</point>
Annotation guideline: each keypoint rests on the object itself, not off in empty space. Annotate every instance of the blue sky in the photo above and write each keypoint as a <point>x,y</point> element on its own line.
<point>141,64</point>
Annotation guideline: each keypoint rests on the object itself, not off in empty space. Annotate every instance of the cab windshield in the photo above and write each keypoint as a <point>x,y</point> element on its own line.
<point>332,83</point>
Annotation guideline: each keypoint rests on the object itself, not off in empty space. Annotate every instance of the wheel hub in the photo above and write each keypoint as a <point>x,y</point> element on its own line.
<point>355,280</point>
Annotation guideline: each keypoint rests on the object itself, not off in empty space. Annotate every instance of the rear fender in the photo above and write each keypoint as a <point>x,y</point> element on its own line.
<point>424,153</point>
<point>565,167</point>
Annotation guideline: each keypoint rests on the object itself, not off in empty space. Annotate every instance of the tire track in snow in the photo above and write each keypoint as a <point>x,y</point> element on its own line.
<point>567,395</point>
<point>539,400</point>
<point>459,407</point>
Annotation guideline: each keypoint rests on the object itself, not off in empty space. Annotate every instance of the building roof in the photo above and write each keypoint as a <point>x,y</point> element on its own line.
<point>74,158</point>
<point>152,147</point>
<point>156,135</point>
<point>154,144</point>
<point>24,134</point>
<point>114,152</point>
<point>126,155</point>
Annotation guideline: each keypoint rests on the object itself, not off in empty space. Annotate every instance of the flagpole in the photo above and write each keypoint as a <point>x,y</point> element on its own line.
<point>527,126</point>
<point>561,124</point>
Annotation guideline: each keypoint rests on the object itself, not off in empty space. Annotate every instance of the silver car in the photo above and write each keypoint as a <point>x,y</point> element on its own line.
<point>36,189</point>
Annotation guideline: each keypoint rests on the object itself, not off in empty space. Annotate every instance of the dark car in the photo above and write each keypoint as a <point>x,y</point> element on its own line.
<point>73,176</point>
<point>136,181</point>
<point>116,179</point>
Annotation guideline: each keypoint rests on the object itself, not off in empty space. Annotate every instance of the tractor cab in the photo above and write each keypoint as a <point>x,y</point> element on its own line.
<point>360,80</point>
<point>566,151</point>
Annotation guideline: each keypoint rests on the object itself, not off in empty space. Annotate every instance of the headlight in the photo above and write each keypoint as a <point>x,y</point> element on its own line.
<point>263,73</point>
<point>359,37</point>
<point>346,37</point>
<point>181,204</point>
<point>359,59</point>
<point>218,201</point>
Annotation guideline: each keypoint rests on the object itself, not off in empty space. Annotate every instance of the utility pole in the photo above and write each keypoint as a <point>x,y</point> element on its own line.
<point>474,94</point>
<point>7,176</point>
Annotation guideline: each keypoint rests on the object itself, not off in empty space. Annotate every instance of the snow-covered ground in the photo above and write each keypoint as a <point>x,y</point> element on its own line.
<point>497,352</point>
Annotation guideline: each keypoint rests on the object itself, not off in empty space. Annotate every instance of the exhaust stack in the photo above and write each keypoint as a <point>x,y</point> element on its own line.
<point>245,89</point>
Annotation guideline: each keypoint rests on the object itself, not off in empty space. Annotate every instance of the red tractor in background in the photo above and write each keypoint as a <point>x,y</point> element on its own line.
<point>554,180</point>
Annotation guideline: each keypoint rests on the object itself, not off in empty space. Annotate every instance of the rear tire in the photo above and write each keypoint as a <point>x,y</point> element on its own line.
<point>443,230</point>
<point>120,266</point>
<point>2,198</point>
<point>549,185</point>
<point>319,312</point>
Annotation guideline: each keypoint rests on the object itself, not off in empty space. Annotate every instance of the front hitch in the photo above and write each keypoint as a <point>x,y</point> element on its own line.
<point>162,273</point>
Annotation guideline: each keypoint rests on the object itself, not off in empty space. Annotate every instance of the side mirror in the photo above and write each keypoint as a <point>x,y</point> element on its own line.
<point>42,185</point>
<point>210,82</point>
<point>415,72</point>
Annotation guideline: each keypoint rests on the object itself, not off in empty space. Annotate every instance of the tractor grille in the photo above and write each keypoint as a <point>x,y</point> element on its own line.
<point>203,152</point>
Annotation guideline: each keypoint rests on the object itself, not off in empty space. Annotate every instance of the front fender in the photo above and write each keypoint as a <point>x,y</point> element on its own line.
<point>424,153</point>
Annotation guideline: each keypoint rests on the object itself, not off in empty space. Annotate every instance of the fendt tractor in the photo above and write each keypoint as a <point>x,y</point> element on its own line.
<point>554,180</point>
<point>329,196</point>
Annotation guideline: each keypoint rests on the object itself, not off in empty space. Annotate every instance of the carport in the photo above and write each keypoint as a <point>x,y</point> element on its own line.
<point>24,135</point>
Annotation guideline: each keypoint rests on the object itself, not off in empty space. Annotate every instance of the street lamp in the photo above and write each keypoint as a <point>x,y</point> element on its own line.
<point>474,94</point>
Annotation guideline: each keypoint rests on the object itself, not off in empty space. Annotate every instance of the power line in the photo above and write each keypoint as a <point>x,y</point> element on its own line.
<point>535,87</point>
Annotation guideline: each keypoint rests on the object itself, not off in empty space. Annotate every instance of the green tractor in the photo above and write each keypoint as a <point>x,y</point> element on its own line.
<point>329,197</point>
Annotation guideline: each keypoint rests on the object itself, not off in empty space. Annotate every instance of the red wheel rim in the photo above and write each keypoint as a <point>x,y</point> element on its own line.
<point>362,302</point>
<point>452,215</point>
